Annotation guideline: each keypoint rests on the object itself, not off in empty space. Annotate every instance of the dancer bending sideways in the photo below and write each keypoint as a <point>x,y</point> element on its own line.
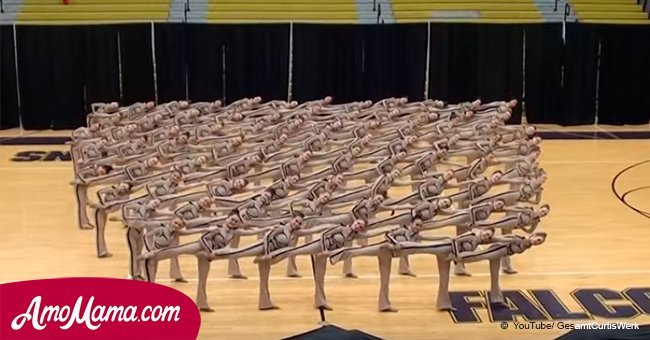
<point>332,239</point>
<point>280,236</point>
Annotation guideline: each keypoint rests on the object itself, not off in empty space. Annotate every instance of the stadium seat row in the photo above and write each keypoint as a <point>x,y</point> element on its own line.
<point>334,11</point>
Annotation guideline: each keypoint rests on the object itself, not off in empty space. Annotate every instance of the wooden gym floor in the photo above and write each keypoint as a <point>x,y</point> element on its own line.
<point>595,241</point>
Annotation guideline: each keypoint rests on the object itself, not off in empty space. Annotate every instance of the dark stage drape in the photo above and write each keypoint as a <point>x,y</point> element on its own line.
<point>50,77</point>
<point>171,61</point>
<point>561,74</point>
<point>327,60</point>
<point>205,62</point>
<point>101,64</point>
<point>137,63</point>
<point>624,91</point>
<point>544,55</point>
<point>394,61</point>
<point>470,61</point>
<point>580,76</point>
<point>62,69</point>
<point>257,61</point>
<point>8,88</point>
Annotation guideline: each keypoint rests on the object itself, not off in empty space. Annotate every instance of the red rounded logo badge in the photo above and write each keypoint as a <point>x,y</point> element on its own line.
<point>95,308</point>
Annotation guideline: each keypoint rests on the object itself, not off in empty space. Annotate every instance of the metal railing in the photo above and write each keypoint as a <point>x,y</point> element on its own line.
<point>567,12</point>
<point>379,14</point>
<point>376,7</point>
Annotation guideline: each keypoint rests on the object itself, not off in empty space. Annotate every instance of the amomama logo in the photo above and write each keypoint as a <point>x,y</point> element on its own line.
<point>89,308</point>
<point>92,316</point>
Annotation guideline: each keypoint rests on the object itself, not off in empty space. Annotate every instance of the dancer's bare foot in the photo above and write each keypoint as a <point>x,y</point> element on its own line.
<point>87,226</point>
<point>351,276</point>
<point>294,275</point>
<point>506,266</point>
<point>498,304</point>
<point>105,255</point>
<point>239,276</point>
<point>269,307</point>
<point>180,280</point>
<point>389,309</point>
<point>509,271</point>
<point>206,309</point>
<point>460,270</point>
<point>408,273</point>
<point>325,307</point>
<point>447,309</point>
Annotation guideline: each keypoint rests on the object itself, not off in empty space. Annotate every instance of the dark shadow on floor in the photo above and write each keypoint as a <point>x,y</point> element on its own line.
<point>331,332</point>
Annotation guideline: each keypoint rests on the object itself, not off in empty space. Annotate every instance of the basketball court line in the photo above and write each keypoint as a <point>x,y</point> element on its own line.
<point>609,133</point>
<point>423,276</point>
<point>426,276</point>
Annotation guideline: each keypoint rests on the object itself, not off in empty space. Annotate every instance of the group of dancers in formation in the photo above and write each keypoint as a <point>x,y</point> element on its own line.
<point>317,179</point>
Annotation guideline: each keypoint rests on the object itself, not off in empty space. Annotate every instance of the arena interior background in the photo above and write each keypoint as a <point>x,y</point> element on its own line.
<point>570,63</point>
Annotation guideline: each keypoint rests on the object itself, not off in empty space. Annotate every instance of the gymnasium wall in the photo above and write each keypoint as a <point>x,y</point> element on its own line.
<point>566,74</point>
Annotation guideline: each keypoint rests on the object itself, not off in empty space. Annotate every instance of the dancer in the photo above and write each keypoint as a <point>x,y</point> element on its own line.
<point>279,237</point>
<point>424,210</point>
<point>518,217</point>
<point>86,178</point>
<point>385,251</point>
<point>332,239</point>
<point>159,238</point>
<point>110,199</point>
<point>507,245</point>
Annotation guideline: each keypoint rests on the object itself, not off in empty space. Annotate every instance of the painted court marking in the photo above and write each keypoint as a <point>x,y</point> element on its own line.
<point>340,277</point>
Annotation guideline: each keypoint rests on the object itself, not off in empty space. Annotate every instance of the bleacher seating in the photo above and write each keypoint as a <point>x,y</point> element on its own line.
<point>93,11</point>
<point>506,11</point>
<point>609,11</point>
<point>327,11</point>
<point>337,11</point>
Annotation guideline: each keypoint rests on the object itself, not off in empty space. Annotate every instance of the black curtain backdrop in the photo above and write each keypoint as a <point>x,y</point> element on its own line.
<point>100,64</point>
<point>62,69</point>
<point>544,57</point>
<point>580,76</point>
<point>471,61</point>
<point>137,63</point>
<point>8,89</point>
<point>624,91</point>
<point>205,62</point>
<point>257,61</point>
<point>453,52</point>
<point>51,82</point>
<point>327,60</point>
<point>394,61</point>
<point>171,61</point>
